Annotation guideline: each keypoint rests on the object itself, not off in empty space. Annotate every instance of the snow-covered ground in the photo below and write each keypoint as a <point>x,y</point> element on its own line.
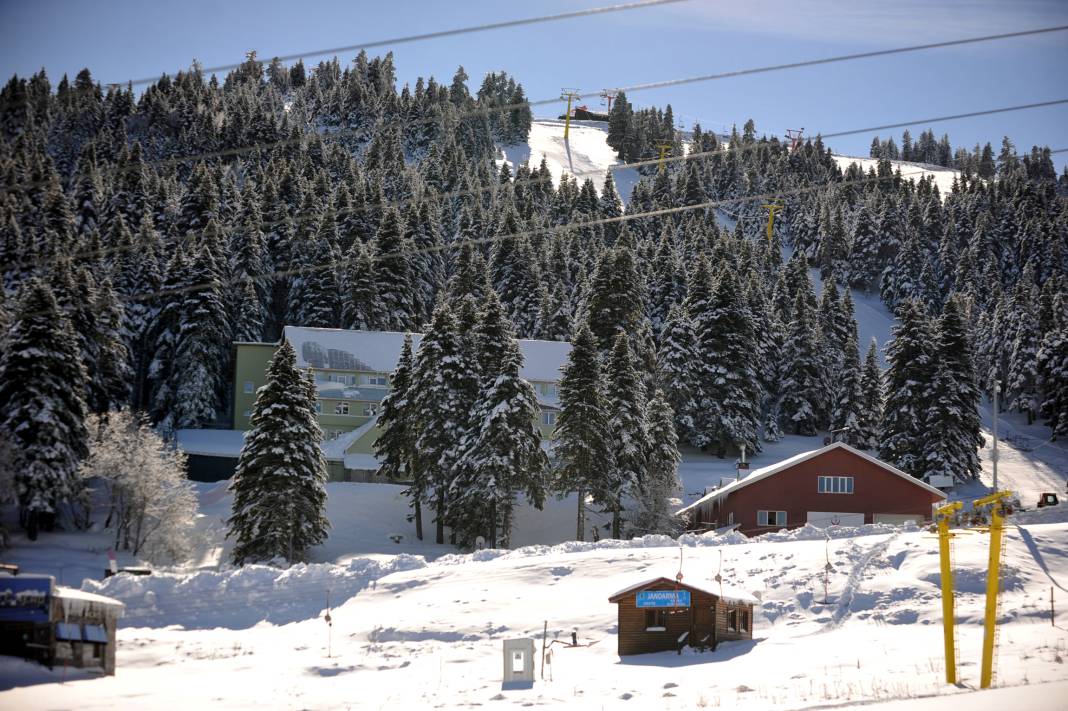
<point>943,177</point>
<point>431,632</point>
<point>584,155</point>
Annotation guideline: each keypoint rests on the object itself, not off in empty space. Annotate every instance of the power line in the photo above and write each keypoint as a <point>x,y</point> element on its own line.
<point>548,229</point>
<point>840,58</point>
<point>252,147</point>
<point>116,249</point>
<point>431,35</point>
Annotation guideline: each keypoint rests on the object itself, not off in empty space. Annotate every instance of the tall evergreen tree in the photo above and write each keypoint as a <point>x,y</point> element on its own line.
<point>910,355</point>
<point>656,512</point>
<point>279,484</point>
<point>394,447</point>
<point>503,457</point>
<point>42,410</point>
<point>626,427</point>
<point>582,446</point>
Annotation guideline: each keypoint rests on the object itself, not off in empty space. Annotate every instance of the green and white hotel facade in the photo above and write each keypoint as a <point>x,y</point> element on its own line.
<point>351,371</point>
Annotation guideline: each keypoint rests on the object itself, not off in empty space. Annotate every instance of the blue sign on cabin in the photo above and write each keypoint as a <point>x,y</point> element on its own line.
<point>663,598</point>
<point>24,598</point>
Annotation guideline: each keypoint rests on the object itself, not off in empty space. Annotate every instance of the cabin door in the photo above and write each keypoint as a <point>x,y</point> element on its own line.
<point>703,626</point>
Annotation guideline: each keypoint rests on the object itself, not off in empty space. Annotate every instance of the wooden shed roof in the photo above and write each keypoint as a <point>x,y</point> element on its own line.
<point>708,587</point>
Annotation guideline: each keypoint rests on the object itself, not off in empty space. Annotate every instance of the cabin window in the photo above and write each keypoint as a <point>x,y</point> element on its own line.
<point>744,626</point>
<point>341,408</point>
<point>250,387</point>
<point>655,620</point>
<point>835,485</point>
<point>96,650</point>
<point>730,518</point>
<point>771,518</point>
<point>732,620</point>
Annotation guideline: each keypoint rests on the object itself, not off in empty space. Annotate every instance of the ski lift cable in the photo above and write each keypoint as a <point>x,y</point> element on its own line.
<point>252,147</point>
<point>549,229</point>
<point>439,34</point>
<point>97,254</point>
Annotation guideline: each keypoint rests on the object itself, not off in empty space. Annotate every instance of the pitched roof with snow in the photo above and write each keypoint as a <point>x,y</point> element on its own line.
<point>379,351</point>
<point>709,587</point>
<point>770,470</point>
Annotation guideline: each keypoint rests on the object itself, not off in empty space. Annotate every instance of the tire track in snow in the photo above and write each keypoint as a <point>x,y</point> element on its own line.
<point>853,582</point>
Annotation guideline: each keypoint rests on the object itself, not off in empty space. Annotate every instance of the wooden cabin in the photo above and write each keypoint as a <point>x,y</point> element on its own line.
<point>661,615</point>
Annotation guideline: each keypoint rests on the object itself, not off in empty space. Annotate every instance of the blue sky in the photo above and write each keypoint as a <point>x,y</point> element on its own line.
<point>121,40</point>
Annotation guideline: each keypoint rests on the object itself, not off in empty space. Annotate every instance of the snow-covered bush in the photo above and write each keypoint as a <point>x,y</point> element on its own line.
<point>152,504</point>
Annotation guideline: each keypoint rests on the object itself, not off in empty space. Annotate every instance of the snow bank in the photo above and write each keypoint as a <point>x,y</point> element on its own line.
<point>243,597</point>
<point>807,532</point>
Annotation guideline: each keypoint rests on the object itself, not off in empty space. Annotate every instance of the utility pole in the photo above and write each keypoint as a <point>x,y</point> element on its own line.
<point>568,94</point>
<point>664,149</point>
<point>772,208</point>
<point>994,456</point>
<point>609,95</point>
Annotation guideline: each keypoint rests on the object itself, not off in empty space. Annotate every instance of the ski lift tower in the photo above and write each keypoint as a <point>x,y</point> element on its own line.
<point>607,96</point>
<point>796,135</point>
<point>568,94</point>
<point>664,149</point>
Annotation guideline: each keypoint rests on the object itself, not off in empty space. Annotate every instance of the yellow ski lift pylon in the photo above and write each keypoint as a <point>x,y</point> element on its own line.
<point>993,579</point>
<point>772,208</point>
<point>943,515</point>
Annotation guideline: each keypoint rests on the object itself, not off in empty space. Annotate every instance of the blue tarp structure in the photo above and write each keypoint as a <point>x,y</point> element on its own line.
<point>25,598</point>
<point>70,631</point>
<point>96,633</point>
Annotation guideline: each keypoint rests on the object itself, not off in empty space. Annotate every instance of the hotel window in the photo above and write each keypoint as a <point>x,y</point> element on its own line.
<point>250,387</point>
<point>341,408</point>
<point>319,406</point>
<point>369,411</point>
<point>377,379</point>
<point>247,413</point>
<point>548,418</point>
<point>771,518</point>
<point>835,485</point>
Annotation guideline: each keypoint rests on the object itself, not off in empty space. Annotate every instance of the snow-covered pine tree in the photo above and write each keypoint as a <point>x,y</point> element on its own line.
<point>732,380</point>
<point>279,484</point>
<point>110,383</point>
<point>656,511</point>
<point>41,404</point>
<point>675,363</point>
<point>394,446</point>
<point>871,386</point>
<point>393,273</point>
<point>801,383</point>
<point>958,393</point>
<point>582,446</point>
<point>441,410</point>
<point>1053,369</point>
<point>200,354</point>
<point>626,400</point>
<point>910,354</point>
<point>503,457</point>
<point>849,405</point>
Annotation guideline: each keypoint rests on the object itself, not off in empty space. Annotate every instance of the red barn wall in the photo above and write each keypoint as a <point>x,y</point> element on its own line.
<point>794,490</point>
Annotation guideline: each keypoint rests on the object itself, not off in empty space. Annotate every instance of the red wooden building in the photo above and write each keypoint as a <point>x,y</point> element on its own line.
<point>834,485</point>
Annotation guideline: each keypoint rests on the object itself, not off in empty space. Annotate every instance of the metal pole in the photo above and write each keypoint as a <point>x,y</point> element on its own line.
<point>994,456</point>
<point>544,634</point>
<point>942,515</point>
<point>993,575</point>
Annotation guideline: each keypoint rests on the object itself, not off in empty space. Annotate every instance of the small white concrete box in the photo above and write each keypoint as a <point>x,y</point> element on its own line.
<point>519,660</point>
